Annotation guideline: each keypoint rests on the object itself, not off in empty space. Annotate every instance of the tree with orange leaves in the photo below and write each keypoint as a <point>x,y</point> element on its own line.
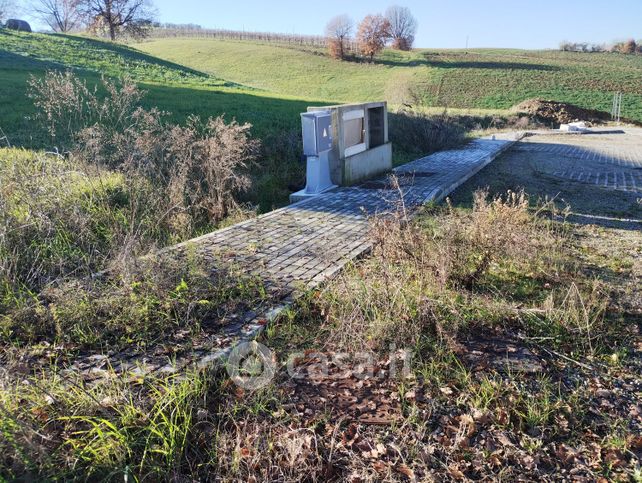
<point>374,32</point>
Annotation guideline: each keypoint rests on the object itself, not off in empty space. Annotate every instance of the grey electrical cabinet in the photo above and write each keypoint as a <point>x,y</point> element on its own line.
<point>317,132</point>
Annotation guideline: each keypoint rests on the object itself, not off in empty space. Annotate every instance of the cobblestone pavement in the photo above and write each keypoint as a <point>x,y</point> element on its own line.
<point>307,243</point>
<point>294,248</point>
<point>609,160</point>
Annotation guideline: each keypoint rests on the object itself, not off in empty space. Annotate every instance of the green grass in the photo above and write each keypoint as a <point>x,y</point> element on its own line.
<point>268,85</point>
<point>479,79</point>
<point>179,90</point>
<point>283,70</point>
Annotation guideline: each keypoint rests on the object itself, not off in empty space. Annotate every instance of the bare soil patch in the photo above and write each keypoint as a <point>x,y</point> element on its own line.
<point>556,113</point>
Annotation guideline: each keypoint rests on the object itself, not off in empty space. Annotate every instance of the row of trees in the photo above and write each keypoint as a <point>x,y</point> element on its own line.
<point>626,47</point>
<point>112,17</point>
<point>135,18</point>
<point>398,27</point>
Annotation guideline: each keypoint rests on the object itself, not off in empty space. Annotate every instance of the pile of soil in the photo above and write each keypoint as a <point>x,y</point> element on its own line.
<point>553,112</point>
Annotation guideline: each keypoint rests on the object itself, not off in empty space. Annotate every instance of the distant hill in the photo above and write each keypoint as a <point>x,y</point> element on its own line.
<point>479,78</point>
<point>171,87</point>
<point>268,84</point>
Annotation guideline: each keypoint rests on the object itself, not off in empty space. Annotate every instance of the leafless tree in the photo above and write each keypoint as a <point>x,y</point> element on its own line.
<point>403,27</point>
<point>338,32</point>
<point>60,15</point>
<point>131,16</point>
<point>374,32</point>
<point>7,7</point>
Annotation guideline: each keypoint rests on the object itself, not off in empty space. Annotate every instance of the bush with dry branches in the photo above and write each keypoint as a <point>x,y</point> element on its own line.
<point>198,170</point>
<point>67,106</point>
<point>209,168</point>
<point>409,287</point>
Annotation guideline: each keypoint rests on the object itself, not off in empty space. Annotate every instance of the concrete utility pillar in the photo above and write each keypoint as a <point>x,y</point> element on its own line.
<point>360,148</point>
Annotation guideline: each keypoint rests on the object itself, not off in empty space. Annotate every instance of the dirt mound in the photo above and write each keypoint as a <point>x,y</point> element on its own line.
<point>553,112</point>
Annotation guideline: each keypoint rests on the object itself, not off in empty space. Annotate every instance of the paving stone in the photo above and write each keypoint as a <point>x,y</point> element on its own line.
<point>302,246</point>
<point>613,161</point>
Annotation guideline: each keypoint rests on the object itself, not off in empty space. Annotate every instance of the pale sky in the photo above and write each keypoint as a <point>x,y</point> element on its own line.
<point>442,24</point>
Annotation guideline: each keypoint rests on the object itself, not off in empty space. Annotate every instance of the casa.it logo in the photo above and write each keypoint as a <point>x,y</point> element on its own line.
<point>251,365</point>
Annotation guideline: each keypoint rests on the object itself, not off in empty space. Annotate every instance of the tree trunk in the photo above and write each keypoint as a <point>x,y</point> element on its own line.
<point>109,17</point>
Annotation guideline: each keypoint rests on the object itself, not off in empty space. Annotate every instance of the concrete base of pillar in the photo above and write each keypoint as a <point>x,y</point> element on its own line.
<point>302,195</point>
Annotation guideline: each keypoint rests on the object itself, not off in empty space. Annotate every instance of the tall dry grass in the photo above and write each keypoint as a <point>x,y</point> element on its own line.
<point>411,286</point>
<point>127,183</point>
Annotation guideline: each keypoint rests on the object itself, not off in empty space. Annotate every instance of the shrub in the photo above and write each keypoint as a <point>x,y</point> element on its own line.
<point>581,47</point>
<point>67,106</point>
<point>418,134</point>
<point>410,287</point>
<point>402,44</point>
<point>197,168</point>
<point>498,228</point>
<point>209,167</point>
<point>626,47</point>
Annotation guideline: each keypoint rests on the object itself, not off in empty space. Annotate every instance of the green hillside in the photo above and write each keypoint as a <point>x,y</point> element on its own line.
<point>484,78</point>
<point>268,85</point>
<point>171,87</point>
<point>284,70</point>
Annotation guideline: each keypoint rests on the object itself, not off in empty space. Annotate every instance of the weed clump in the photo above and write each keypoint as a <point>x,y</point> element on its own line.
<point>203,166</point>
<point>421,135</point>
<point>127,183</point>
<point>459,269</point>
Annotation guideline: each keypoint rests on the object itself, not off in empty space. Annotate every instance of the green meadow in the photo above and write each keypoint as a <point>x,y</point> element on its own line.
<point>268,85</point>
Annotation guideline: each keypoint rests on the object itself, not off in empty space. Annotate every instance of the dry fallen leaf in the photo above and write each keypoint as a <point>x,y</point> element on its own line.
<point>636,442</point>
<point>565,453</point>
<point>456,473</point>
<point>380,467</point>
<point>406,471</point>
<point>446,391</point>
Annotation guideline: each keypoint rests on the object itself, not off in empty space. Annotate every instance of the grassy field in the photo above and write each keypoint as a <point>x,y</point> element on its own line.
<point>268,85</point>
<point>521,332</point>
<point>480,78</point>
